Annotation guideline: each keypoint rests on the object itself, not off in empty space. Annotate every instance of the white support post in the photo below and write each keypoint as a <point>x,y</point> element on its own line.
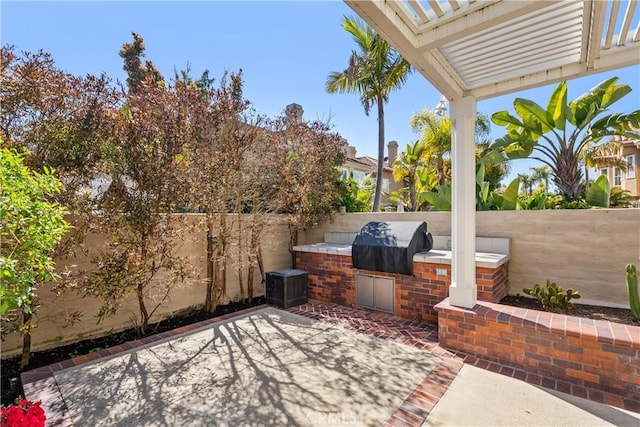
<point>463,290</point>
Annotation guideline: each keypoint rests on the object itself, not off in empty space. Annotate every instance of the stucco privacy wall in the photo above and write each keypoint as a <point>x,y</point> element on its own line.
<point>51,331</point>
<point>586,250</point>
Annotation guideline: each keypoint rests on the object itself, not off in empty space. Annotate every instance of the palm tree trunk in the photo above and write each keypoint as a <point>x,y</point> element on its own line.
<point>413,197</point>
<point>586,178</point>
<point>378,194</point>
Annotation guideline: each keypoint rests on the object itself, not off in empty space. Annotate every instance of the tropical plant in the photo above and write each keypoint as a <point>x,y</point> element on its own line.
<point>435,141</point>
<point>407,169</point>
<point>537,201</point>
<point>435,137</point>
<point>426,182</point>
<point>527,183</point>
<point>599,193</point>
<point>366,192</point>
<point>540,175</point>
<point>485,199</point>
<point>31,225</point>
<point>619,198</point>
<point>494,172</point>
<point>349,198</point>
<point>546,132</point>
<point>493,200</point>
<point>374,71</point>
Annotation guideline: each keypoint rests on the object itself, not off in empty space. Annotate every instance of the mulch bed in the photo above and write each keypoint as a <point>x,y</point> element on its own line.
<point>10,368</point>
<point>617,315</point>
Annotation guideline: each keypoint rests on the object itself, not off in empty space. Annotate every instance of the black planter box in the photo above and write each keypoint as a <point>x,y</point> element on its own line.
<point>286,288</point>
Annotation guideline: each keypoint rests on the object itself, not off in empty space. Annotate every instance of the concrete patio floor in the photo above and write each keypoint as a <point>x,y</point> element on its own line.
<point>314,365</point>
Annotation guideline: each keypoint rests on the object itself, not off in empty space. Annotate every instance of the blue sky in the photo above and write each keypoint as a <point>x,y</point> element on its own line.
<point>285,49</point>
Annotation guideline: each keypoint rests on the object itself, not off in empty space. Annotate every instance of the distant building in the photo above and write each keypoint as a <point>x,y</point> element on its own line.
<point>364,166</point>
<point>627,150</point>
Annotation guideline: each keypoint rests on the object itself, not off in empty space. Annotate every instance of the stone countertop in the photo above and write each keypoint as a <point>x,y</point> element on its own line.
<point>434,256</point>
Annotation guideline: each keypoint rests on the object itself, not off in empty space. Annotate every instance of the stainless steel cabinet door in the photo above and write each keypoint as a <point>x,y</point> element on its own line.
<point>375,292</point>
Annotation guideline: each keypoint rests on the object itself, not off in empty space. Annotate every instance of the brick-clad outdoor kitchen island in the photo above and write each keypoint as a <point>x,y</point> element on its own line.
<point>332,277</point>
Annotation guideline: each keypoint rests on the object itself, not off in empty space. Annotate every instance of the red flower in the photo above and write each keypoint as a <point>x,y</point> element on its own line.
<point>24,414</point>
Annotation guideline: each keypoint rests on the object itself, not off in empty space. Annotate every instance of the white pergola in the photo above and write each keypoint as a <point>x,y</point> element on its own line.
<point>472,50</point>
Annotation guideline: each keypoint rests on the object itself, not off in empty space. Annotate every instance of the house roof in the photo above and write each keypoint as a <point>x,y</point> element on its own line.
<point>489,48</point>
<point>357,162</point>
<point>373,164</point>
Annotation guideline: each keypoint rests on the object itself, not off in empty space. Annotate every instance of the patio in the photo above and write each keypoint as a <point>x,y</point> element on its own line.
<point>316,364</point>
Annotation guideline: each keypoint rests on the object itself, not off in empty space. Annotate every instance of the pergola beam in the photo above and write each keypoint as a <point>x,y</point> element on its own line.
<point>594,37</point>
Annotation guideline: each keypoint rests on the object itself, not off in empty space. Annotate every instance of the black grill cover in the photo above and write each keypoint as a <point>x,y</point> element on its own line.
<point>390,246</point>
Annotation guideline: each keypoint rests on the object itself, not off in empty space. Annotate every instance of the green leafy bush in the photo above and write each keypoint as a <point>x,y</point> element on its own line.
<point>552,295</point>
<point>31,226</point>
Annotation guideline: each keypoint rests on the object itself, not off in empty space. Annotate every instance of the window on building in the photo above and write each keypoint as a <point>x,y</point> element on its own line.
<point>345,174</point>
<point>385,185</point>
<point>358,176</point>
<point>604,171</point>
<point>617,176</point>
<point>631,166</point>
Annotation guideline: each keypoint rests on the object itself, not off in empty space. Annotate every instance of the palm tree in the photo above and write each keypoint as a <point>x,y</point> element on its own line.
<point>407,168</point>
<point>526,181</point>
<point>436,138</point>
<point>541,174</point>
<point>547,133</point>
<point>374,71</point>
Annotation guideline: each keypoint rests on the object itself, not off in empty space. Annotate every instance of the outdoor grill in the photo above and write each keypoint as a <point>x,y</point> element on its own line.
<point>390,246</point>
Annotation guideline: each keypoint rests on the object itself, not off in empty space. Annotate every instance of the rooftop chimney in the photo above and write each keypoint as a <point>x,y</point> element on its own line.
<point>392,149</point>
<point>293,113</point>
<point>351,152</point>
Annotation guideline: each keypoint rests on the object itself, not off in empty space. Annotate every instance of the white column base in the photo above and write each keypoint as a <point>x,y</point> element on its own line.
<point>463,296</point>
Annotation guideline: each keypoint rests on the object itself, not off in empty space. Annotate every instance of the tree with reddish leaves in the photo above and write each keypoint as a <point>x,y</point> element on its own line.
<point>306,157</point>
<point>152,130</point>
<point>61,122</point>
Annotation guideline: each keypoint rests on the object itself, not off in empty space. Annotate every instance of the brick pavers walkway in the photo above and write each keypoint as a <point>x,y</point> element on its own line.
<point>418,405</point>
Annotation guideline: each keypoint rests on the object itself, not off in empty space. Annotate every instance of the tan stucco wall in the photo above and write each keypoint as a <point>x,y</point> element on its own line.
<point>51,331</point>
<point>583,249</point>
<point>586,250</point>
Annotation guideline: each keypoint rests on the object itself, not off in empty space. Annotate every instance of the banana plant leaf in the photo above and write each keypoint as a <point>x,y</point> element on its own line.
<point>441,200</point>
<point>599,193</point>
<point>510,196</point>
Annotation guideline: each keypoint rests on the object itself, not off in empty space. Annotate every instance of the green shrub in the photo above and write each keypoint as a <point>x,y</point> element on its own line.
<point>552,295</point>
